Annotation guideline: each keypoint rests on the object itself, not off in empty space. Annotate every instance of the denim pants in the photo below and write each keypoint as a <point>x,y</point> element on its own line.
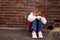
<point>36,25</point>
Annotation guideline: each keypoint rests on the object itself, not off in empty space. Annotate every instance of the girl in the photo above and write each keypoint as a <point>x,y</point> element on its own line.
<point>37,20</point>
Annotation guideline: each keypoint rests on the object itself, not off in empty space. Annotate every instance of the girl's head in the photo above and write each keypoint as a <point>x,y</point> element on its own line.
<point>37,10</point>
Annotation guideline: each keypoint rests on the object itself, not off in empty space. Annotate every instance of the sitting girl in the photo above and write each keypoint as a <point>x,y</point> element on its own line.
<point>37,20</point>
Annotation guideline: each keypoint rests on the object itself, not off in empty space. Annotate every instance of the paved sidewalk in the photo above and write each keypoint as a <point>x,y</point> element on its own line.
<point>17,34</point>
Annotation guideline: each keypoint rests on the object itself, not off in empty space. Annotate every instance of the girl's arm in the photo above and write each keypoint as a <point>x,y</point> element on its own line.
<point>43,19</point>
<point>31,17</point>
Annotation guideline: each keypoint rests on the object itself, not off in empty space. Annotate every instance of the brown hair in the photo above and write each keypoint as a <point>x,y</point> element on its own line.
<point>40,14</point>
<point>38,7</point>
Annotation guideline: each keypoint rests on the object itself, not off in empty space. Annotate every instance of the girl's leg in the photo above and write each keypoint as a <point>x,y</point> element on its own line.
<point>33,29</point>
<point>40,25</point>
<point>33,25</point>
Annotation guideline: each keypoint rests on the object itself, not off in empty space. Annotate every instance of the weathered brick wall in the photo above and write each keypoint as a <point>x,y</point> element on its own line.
<point>13,13</point>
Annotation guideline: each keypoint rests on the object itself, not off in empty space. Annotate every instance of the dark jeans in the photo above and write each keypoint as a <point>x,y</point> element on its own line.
<point>36,25</point>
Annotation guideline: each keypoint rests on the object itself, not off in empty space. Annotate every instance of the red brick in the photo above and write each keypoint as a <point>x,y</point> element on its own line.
<point>13,13</point>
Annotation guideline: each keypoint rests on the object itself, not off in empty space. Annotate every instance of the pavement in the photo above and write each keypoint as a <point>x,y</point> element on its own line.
<point>18,34</point>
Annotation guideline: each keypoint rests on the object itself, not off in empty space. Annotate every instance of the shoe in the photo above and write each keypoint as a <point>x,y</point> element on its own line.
<point>40,34</point>
<point>34,34</point>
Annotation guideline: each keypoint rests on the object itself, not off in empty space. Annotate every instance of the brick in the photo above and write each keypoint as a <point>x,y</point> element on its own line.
<point>13,13</point>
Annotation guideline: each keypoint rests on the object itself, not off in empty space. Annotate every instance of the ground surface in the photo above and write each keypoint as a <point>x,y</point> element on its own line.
<point>17,34</point>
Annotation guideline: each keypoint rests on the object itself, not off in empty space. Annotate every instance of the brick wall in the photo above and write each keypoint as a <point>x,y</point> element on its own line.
<point>13,13</point>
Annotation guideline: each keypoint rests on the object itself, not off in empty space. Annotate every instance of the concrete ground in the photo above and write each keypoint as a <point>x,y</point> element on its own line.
<point>17,34</point>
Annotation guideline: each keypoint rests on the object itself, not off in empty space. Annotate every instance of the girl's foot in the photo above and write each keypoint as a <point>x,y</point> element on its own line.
<point>40,34</point>
<point>34,34</point>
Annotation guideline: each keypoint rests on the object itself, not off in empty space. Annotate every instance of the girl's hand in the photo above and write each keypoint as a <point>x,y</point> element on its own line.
<point>38,17</point>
